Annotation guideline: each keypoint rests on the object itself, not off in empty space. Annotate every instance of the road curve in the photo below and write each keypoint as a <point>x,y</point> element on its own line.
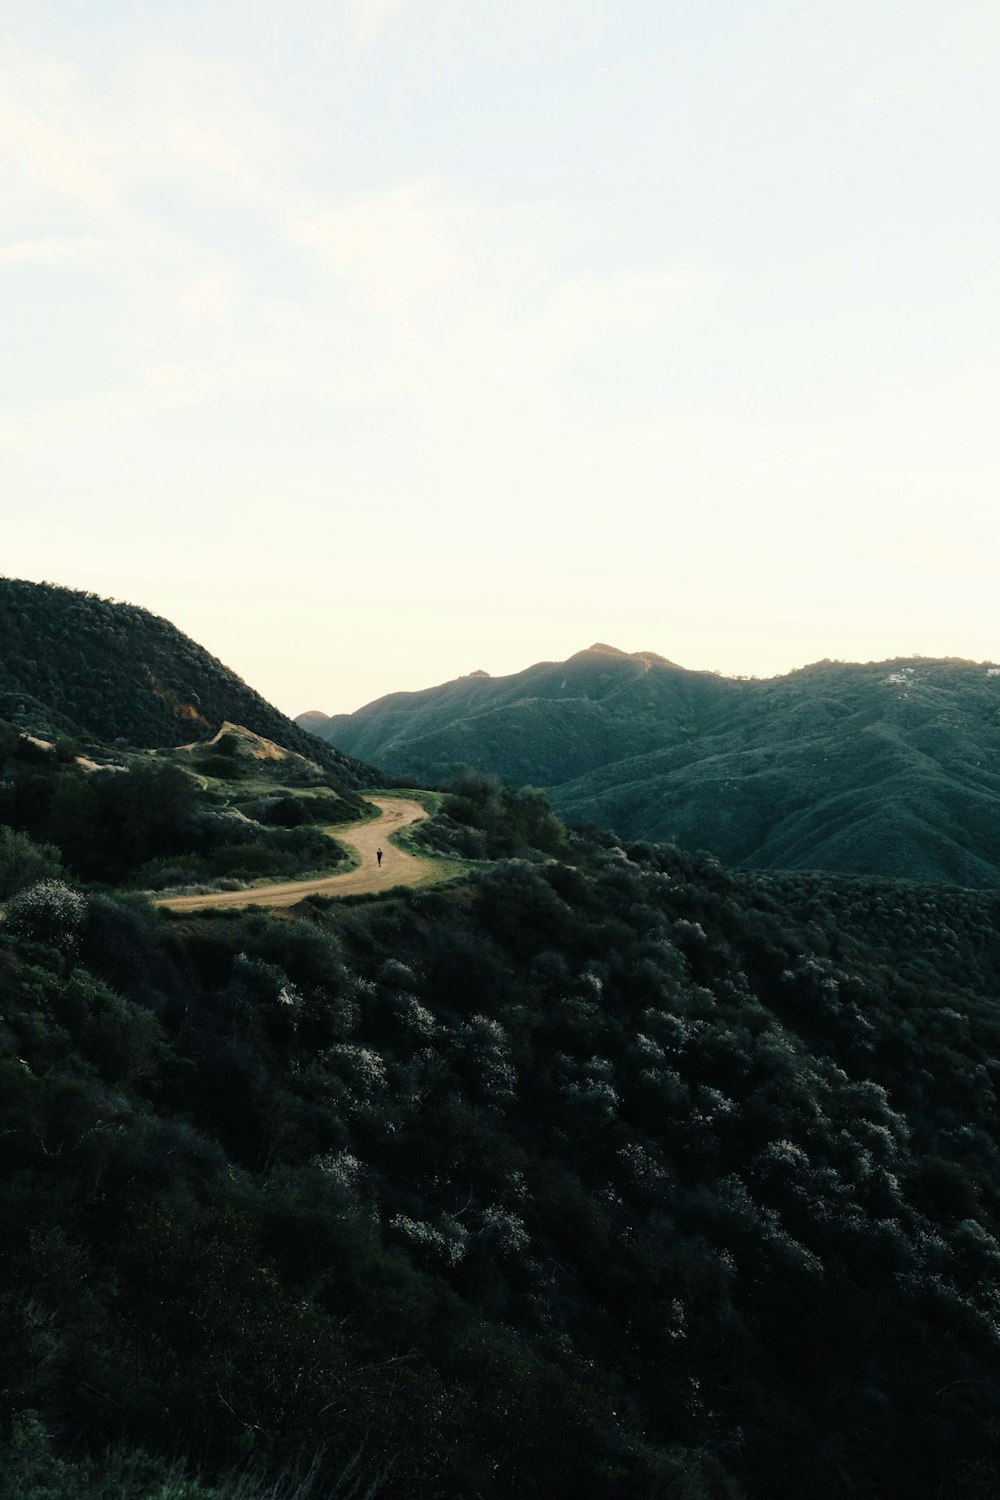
<point>397,868</point>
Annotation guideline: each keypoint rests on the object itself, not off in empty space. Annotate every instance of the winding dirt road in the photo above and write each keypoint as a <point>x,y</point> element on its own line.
<point>397,868</point>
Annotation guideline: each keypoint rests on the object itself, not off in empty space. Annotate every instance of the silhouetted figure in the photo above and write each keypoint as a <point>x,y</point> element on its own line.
<point>378,856</point>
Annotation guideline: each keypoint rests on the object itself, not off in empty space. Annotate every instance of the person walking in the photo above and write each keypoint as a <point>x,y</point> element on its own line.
<point>378,856</point>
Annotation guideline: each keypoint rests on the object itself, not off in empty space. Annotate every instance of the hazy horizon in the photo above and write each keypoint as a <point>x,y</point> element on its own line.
<point>418,683</point>
<point>381,341</point>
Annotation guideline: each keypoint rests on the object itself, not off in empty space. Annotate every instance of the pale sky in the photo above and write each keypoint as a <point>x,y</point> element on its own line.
<point>376,341</point>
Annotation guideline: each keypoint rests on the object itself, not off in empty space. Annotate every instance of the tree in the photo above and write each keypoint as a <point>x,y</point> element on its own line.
<point>23,862</point>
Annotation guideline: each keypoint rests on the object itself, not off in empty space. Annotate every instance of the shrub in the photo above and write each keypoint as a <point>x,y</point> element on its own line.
<point>50,912</point>
<point>23,862</point>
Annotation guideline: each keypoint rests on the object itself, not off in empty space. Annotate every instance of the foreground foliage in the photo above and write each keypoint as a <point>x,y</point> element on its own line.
<point>619,1175</point>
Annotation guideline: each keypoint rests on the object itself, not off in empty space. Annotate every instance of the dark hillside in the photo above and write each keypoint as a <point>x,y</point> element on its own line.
<point>122,673</point>
<point>605,1172</point>
<point>629,1178</point>
<point>890,767</point>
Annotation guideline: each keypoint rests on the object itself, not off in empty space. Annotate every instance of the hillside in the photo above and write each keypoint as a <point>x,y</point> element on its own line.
<point>623,1177</point>
<point>598,1171</point>
<point>70,660</point>
<point>889,768</point>
<point>220,816</point>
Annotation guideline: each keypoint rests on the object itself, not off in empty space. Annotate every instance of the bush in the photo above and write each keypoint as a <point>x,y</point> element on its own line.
<point>50,912</point>
<point>480,818</point>
<point>24,862</point>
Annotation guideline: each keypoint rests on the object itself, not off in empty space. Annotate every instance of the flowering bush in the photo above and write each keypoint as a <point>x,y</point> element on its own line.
<point>443,1245</point>
<point>48,912</point>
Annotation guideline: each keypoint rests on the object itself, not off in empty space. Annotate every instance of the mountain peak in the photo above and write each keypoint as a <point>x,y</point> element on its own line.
<point>601,649</point>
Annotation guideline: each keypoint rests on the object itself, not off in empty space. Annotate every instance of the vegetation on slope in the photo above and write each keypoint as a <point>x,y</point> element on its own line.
<point>611,1175</point>
<point>890,768</point>
<point>551,722</point>
<point>72,660</point>
<point>152,822</point>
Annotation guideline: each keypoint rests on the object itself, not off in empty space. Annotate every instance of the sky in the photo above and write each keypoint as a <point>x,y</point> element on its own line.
<point>374,342</point>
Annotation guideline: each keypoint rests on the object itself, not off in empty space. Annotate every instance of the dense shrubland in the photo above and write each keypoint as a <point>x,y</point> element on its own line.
<point>618,1175</point>
<point>146,823</point>
<point>480,818</point>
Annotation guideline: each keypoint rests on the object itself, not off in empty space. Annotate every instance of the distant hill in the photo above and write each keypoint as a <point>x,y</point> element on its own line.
<point>888,768</point>
<point>72,660</point>
<point>312,720</point>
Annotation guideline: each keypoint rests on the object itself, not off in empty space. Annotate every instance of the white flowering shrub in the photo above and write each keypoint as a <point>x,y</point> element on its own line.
<point>410,1016</point>
<point>340,1168</point>
<point>364,994</point>
<point>794,1256</point>
<point>649,1049</point>
<point>443,1244</point>
<point>455,1236</point>
<point>691,934</point>
<point>713,1103</point>
<point>503,1231</point>
<point>675,1328</point>
<point>345,1184</point>
<point>233,815</point>
<point>266,981</point>
<point>589,1090</point>
<point>639,1164</point>
<point>486,1047</point>
<point>48,912</point>
<point>781,1156</point>
<point>488,1032</point>
<point>361,1067</point>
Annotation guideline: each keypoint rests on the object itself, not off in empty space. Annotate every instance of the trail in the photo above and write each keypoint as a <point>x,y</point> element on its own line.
<point>398,867</point>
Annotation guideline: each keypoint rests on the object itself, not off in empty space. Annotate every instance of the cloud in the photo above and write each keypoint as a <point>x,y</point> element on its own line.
<point>203,121</point>
<point>398,246</point>
<point>210,297</point>
<point>370,19</point>
<point>47,145</point>
<point>53,250</point>
<point>426,257</point>
<point>588,309</point>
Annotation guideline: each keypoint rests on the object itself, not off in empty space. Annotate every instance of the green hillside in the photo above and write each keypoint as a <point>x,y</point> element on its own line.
<point>554,721</point>
<point>216,817</point>
<point>601,1171</point>
<point>621,1177</point>
<point>70,660</point>
<point>890,767</point>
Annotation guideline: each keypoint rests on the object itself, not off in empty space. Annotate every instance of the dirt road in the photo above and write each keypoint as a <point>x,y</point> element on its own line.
<point>397,868</point>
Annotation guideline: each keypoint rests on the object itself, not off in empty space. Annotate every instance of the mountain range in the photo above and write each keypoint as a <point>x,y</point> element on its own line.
<point>888,768</point>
